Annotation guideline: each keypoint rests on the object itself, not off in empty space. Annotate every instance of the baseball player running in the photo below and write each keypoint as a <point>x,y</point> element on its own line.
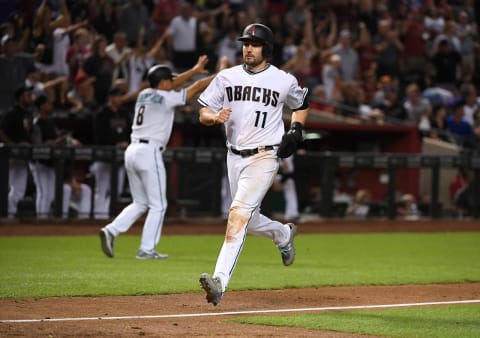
<point>249,100</point>
<point>151,128</point>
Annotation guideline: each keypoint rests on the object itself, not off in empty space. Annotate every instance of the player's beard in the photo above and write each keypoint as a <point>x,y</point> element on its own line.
<point>253,62</point>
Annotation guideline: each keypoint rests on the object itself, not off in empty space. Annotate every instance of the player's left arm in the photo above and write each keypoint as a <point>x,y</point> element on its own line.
<point>300,116</point>
<point>294,136</point>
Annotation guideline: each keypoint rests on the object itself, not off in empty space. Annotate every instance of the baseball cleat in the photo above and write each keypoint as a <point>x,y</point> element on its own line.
<point>213,288</point>
<point>150,255</point>
<point>106,239</point>
<point>288,251</point>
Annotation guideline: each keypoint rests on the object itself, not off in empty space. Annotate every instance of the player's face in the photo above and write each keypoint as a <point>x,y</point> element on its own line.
<point>252,54</point>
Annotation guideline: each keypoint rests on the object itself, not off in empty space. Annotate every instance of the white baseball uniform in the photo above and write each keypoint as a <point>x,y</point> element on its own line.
<point>257,101</point>
<point>288,188</point>
<point>151,130</point>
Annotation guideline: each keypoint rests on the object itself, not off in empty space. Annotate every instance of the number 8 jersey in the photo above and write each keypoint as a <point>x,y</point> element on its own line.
<point>256,100</point>
<point>154,112</point>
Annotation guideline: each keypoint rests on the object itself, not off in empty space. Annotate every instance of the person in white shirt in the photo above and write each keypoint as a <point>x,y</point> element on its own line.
<point>119,52</point>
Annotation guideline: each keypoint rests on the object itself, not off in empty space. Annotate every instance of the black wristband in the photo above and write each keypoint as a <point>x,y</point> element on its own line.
<point>296,126</point>
<point>296,129</point>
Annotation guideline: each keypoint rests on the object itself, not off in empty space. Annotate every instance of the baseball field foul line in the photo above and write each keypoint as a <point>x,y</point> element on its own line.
<point>229,313</point>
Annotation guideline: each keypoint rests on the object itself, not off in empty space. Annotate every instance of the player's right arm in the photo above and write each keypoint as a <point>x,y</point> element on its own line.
<point>209,117</point>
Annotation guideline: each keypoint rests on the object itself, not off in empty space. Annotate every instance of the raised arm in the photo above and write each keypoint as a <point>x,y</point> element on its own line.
<point>199,68</point>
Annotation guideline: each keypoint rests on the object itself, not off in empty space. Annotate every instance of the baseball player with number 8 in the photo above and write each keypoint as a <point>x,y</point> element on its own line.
<point>151,130</point>
<point>248,99</point>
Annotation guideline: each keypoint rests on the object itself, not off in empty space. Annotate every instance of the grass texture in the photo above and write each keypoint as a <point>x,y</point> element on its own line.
<point>75,265</point>
<point>429,322</point>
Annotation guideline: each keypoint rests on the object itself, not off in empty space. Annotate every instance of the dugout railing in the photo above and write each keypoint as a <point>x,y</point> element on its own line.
<point>194,174</point>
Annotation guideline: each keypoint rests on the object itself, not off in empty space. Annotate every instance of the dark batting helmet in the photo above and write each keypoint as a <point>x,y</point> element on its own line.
<point>260,33</point>
<point>157,73</point>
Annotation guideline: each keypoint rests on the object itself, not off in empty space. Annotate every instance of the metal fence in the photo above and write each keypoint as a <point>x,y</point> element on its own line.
<point>194,174</point>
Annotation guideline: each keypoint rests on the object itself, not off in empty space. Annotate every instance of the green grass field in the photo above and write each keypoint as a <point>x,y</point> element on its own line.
<point>431,322</point>
<point>75,266</point>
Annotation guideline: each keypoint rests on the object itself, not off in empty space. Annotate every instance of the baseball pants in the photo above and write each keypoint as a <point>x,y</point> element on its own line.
<point>17,178</point>
<point>44,179</point>
<point>101,171</point>
<point>250,178</point>
<point>81,202</point>
<point>147,179</point>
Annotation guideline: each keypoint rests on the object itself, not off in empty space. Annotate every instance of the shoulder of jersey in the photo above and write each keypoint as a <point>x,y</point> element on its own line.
<point>233,69</point>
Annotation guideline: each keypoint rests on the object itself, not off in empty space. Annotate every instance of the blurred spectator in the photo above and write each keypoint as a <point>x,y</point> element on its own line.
<point>300,64</point>
<point>229,46</point>
<point>182,36</point>
<point>349,103</point>
<point>348,56</point>
<point>163,12</point>
<point>389,48</point>
<point>132,18</point>
<point>289,48</point>
<point>417,108</point>
<point>325,30</point>
<point>367,113</point>
<point>438,123</point>
<point>385,83</point>
<point>43,171</point>
<point>467,32</point>
<point>119,52</point>
<point>391,106</point>
<point>13,69</point>
<point>99,66</point>
<point>15,128</point>
<point>450,35</point>
<point>471,108</point>
<point>319,100</point>
<point>81,11</point>
<point>366,51</point>
<point>112,127</point>
<point>78,52</point>
<point>446,64</point>
<point>360,206</point>
<point>331,78</point>
<point>407,208</point>
<point>140,61</point>
<point>106,20</point>
<point>459,128</point>
<point>17,27</point>
<point>295,17</point>
<point>285,183</point>
<point>77,196</point>
<point>434,22</point>
<point>438,96</point>
<point>43,26</point>
<point>412,31</point>
<point>61,44</point>
<point>457,184</point>
<point>465,195</point>
<point>49,88</point>
<point>81,98</point>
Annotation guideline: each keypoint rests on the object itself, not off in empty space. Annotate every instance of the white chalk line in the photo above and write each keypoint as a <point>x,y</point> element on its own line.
<point>249,312</point>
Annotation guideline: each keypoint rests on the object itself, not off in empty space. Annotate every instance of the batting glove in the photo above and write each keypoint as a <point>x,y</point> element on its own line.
<point>290,140</point>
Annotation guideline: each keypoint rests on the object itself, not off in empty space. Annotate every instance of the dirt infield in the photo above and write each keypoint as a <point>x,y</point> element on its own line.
<point>186,315</point>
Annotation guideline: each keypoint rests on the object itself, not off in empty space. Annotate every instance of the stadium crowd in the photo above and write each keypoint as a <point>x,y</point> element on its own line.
<point>384,61</point>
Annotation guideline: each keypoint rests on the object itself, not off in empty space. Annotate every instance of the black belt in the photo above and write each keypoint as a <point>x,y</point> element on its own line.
<point>250,152</point>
